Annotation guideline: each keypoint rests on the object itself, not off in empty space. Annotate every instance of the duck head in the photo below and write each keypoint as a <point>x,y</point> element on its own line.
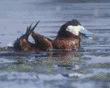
<point>76,28</point>
<point>73,28</point>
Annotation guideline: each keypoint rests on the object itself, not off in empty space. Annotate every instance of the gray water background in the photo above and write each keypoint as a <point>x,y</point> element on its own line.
<point>16,15</point>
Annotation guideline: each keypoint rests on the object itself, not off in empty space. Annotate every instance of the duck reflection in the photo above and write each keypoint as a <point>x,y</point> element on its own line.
<point>62,55</point>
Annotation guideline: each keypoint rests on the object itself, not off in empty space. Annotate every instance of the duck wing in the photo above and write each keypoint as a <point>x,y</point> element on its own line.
<point>42,42</point>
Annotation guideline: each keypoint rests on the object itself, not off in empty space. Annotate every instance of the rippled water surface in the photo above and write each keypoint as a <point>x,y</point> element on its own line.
<point>88,67</point>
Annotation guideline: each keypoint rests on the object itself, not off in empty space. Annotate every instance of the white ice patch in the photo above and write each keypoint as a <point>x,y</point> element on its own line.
<point>72,42</point>
<point>90,37</point>
<point>9,44</point>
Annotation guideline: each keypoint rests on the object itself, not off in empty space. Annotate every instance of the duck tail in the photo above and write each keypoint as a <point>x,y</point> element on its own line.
<point>30,29</point>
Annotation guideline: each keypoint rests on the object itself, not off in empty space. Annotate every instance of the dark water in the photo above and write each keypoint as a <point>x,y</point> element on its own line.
<point>89,67</point>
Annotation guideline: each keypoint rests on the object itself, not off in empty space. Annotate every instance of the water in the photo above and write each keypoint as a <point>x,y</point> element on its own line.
<point>87,68</point>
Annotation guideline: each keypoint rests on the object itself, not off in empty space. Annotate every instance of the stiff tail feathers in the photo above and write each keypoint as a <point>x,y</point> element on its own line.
<point>30,28</point>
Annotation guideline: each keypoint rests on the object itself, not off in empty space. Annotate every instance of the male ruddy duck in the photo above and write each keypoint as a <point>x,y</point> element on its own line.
<point>66,39</point>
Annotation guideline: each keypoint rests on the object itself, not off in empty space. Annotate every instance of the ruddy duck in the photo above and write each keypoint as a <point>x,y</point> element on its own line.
<point>66,39</point>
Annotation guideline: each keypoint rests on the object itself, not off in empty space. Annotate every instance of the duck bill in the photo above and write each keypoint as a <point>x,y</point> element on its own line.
<point>86,32</point>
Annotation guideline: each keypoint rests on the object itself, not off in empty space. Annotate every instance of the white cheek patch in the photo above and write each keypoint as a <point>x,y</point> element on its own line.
<point>73,29</point>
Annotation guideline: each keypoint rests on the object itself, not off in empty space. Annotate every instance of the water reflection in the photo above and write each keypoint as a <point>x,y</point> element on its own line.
<point>61,55</point>
<point>51,60</point>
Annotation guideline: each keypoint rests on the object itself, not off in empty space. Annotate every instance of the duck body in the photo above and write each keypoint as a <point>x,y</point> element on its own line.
<point>67,43</point>
<point>66,39</point>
